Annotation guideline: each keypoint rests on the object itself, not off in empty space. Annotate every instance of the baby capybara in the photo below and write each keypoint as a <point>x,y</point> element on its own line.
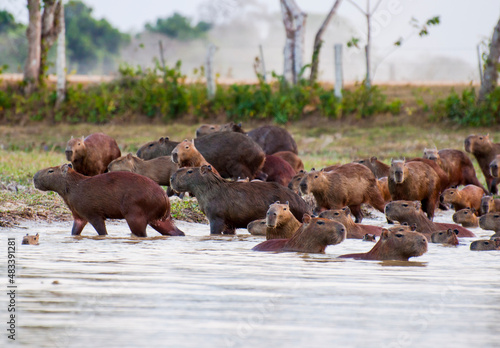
<point>280,221</point>
<point>349,185</point>
<point>158,169</point>
<point>485,244</point>
<point>257,227</point>
<point>415,180</point>
<point>230,205</point>
<point>399,246</point>
<point>185,154</point>
<point>354,230</point>
<point>468,197</point>
<point>278,170</point>
<point>448,237</point>
<point>490,222</point>
<point>292,159</point>
<point>116,195</point>
<point>91,155</point>
<point>31,240</point>
<point>485,151</point>
<point>466,217</point>
<point>313,236</point>
<point>457,166</point>
<point>379,169</point>
<point>489,204</point>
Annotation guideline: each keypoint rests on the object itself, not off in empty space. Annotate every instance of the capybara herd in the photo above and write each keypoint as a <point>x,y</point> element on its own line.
<point>255,180</point>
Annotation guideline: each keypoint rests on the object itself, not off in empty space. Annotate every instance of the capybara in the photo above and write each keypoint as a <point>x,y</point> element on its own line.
<point>280,221</point>
<point>278,170</point>
<point>369,238</point>
<point>399,246</point>
<point>466,217</point>
<point>490,222</point>
<point>313,236</point>
<point>485,151</point>
<point>494,166</point>
<point>294,184</point>
<point>205,129</point>
<point>457,165</point>
<point>257,227</point>
<point>158,169</point>
<point>31,240</point>
<point>445,237</point>
<point>234,155</point>
<point>489,204</point>
<point>185,154</point>
<point>468,197</point>
<point>273,139</point>
<point>91,156</point>
<point>354,230</point>
<point>349,185</point>
<point>383,186</point>
<point>292,159</point>
<point>379,169</point>
<point>411,213</point>
<point>415,180</point>
<point>229,205</point>
<point>116,195</point>
<point>485,244</point>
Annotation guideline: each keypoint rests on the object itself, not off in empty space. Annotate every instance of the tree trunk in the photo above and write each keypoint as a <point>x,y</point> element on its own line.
<point>34,35</point>
<point>295,25</point>
<point>61,60</point>
<point>51,26</point>
<point>490,75</point>
<point>368,80</point>
<point>318,41</point>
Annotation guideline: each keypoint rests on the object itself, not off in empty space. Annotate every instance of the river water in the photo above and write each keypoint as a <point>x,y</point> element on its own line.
<point>202,291</point>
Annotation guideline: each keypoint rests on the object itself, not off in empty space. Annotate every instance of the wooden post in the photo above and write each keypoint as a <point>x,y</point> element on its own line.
<point>210,71</point>
<point>61,60</point>
<point>339,78</point>
<point>262,63</point>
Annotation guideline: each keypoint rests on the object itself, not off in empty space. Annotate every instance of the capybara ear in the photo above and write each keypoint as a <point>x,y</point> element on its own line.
<point>373,159</point>
<point>64,168</point>
<point>37,234</point>
<point>313,169</point>
<point>83,138</point>
<point>302,171</point>
<point>287,203</point>
<point>205,169</point>
<point>306,218</point>
<point>347,210</point>
<point>487,136</point>
<point>418,205</point>
<point>161,140</point>
<point>413,227</point>
<point>456,231</point>
<point>129,155</point>
<point>473,210</point>
<point>322,169</point>
<point>239,124</point>
<point>277,202</point>
<point>385,234</point>
<point>167,138</point>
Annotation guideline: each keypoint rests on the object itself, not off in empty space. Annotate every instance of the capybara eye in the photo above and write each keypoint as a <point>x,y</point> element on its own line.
<point>486,243</point>
<point>440,233</point>
<point>212,127</point>
<point>284,209</point>
<point>50,171</point>
<point>319,222</point>
<point>189,171</point>
<point>405,205</point>
<point>315,176</point>
<point>151,145</point>
<point>361,161</point>
<point>336,214</point>
<point>480,138</point>
<point>187,147</point>
<point>496,216</point>
<point>399,235</point>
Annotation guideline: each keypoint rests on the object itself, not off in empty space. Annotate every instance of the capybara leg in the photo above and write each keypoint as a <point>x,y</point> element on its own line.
<point>429,208</point>
<point>170,191</point>
<point>356,211</point>
<point>390,222</point>
<point>493,186</point>
<point>229,230</point>
<point>99,226</point>
<point>137,225</point>
<point>78,225</point>
<point>216,226</point>
<point>166,227</point>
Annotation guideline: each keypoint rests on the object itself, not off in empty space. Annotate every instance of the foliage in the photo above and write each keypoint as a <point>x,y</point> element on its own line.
<point>13,42</point>
<point>179,27</point>
<point>7,22</point>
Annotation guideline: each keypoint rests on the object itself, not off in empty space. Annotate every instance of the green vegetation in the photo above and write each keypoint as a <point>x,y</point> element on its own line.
<point>13,42</point>
<point>179,27</point>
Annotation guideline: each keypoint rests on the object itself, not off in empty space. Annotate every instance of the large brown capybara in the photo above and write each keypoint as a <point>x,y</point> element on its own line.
<point>456,164</point>
<point>116,195</point>
<point>354,230</point>
<point>31,240</point>
<point>448,237</point>
<point>485,244</point>
<point>158,169</point>
<point>489,204</point>
<point>411,213</point>
<point>229,205</point>
<point>280,222</point>
<point>313,236</point>
<point>494,166</point>
<point>257,227</point>
<point>398,246</point>
<point>349,185</point>
<point>485,151</point>
<point>490,222</point>
<point>292,159</point>
<point>91,155</point>
<point>185,154</point>
<point>233,155</point>
<point>466,217</point>
<point>205,129</point>
<point>468,197</point>
<point>278,170</point>
<point>415,180</point>
<point>379,169</point>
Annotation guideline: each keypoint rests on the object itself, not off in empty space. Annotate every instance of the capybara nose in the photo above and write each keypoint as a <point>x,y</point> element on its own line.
<point>68,155</point>
<point>441,199</point>
<point>197,133</point>
<point>303,187</point>
<point>175,157</point>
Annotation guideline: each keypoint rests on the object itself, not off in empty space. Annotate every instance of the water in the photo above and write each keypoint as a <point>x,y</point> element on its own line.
<point>202,291</point>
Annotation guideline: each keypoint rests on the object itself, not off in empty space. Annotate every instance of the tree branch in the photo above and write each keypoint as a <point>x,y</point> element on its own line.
<point>358,7</point>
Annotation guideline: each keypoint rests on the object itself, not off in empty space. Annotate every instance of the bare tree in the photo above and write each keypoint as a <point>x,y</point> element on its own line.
<point>61,60</point>
<point>490,74</point>
<point>34,34</point>
<point>295,26</point>
<point>51,26</point>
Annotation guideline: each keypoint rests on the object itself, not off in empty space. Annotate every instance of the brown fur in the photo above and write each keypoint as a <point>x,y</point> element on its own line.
<point>292,159</point>
<point>379,169</point>
<point>278,170</point>
<point>466,217</point>
<point>415,180</point>
<point>273,139</point>
<point>457,166</point>
<point>369,238</point>
<point>294,183</point>
<point>91,156</point>
<point>468,197</point>
<point>280,222</point>
<point>31,240</point>
<point>398,246</point>
<point>257,227</point>
<point>410,212</point>
<point>489,204</point>
<point>491,222</point>
<point>485,244</point>
<point>205,129</point>
<point>494,166</point>
<point>229,205</point>
<point>445,237</point>
<point>485,151</point>
<point>185,154</point>
<point>354,230</point>
<point>314,236</point>
<point>383,186</point>
<point>116,195</point>
<point>349,185</point>
<point>158,169</point>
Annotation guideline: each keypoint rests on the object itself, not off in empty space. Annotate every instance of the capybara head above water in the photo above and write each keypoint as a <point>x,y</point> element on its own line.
<point>490,221</point>
<point>396,209</point>
<point>277,214</point>
<point>494,166</point>
<point>485,244</point>
<point>31,240</point>
<point>257,227</point>
<point>466,217</point>
<point>468,197</point>
<point>445,237</point>
<point>432,154</point>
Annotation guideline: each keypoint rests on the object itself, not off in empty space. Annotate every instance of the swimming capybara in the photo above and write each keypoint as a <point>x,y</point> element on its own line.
<point>349,185</point>
<point>456,164</point>
<point>468,197</point>
<point>354,230</point>
<point>116,195</point>
<point>485,244</point>
<point>185,154</point>
<point>313,236</point>
<point>280,221</point>
<point>292,159</point>
<point>91,155</point>
<point>230,205</point>
<point>399,246</point>
<point>490,222</point>
<point>257,227</point>
<point>278,170</point>
<point>489,204</point>
<point>445,237</point>
<point>494,166</point>
<point>158,169</point>
<point>411,213</point>
<point>31,240</point>
<point>205,129</point>
<point>466,217</point>
<point>379,169</point>
<point>485,151</point>
<point>415,180</point>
